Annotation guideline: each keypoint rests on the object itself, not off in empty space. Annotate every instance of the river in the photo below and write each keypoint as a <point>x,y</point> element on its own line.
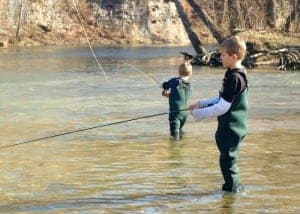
<point>133,167</point>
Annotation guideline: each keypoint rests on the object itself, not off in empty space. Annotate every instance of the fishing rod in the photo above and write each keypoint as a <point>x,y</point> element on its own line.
<point>93,127</point>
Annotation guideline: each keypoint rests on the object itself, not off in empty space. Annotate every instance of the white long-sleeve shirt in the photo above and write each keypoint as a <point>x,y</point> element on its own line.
<point>215,107</point>
<point>234,83</point>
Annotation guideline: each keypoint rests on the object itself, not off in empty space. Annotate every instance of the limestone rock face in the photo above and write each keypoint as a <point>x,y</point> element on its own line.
<point>34,22</point>
<point>164,23</point>
<point>139,21</point>
<point>105,21</point>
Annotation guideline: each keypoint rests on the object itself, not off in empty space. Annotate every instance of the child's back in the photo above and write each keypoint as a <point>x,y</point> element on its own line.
<point>178,89</point>
<point>179,94</point>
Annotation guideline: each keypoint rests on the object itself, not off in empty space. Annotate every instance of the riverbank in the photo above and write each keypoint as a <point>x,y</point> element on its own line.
<point>272,40</point>
<point>264,39</point>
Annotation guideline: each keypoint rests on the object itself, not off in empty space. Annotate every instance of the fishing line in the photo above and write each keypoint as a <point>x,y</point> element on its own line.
<point>101,68</point>
<point>89,128</point>
<point>88,40</point>
<point>149,76</point>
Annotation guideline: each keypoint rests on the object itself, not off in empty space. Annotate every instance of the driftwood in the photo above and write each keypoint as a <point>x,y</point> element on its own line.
<point>210,58</point>
<point>289,58</point>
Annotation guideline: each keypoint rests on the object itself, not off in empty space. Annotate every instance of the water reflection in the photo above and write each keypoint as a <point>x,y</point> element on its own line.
<point>230,203</point>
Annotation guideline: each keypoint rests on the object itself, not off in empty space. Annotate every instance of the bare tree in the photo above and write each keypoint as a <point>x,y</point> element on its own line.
<point>20,18</point>
<point>197,45</point>
<point>217,33</point>
<point>234,12</point>
<point>293,17</point>
<point>271,13</point>
<point>225,9</point>
<point>297,9</point>
<point>123,25</point>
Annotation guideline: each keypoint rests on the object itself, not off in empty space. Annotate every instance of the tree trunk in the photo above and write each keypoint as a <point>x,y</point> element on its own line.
<point>225,9</point>
<point>297,9</point>
<point>235,21</point>
<point>197,45</point>
<point>20,19</point>
<point>214,12</point>
<point>271,13</point>
<point>218,35</point>
<point>123,14</point>
<point>292,17</point>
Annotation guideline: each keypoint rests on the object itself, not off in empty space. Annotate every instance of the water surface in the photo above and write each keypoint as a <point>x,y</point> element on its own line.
<point>134,167</point>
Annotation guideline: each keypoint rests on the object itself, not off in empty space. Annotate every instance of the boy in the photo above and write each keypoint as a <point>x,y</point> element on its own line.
<point>178,89</point>
<point>231,108</point>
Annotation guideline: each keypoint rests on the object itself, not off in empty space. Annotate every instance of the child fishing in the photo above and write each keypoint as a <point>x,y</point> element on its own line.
<point>231,108</point>
<point>178,90</point>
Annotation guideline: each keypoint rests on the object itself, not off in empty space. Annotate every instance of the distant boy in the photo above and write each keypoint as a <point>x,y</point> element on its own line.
<point>231,108</point>
<point>178,89</point>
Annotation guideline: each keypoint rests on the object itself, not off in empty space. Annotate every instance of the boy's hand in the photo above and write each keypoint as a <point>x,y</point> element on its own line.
<point>194,106</point>
<point>165,93</point>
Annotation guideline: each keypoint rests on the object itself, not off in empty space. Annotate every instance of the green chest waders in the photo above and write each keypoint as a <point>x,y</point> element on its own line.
<point>232,128</point>
<point>178,100</point>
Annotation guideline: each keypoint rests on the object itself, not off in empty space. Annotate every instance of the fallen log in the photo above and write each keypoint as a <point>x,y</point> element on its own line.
<point>289,58</point>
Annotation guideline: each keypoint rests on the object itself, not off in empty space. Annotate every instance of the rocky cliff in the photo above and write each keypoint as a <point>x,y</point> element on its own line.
<point>33,22</point>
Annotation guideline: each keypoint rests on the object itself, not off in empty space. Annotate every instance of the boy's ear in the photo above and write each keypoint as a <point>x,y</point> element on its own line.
<point>188,61</point>
<point>235,56</point>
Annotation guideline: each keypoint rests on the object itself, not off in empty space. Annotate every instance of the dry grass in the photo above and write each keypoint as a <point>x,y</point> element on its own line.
<point>272,40</point>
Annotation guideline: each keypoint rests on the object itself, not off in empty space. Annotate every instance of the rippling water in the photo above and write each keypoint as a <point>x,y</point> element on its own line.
<point>134,167</point>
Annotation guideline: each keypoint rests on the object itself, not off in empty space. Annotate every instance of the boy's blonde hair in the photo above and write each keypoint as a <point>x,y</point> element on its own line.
<point>185,69</point>
<point>235,45</point>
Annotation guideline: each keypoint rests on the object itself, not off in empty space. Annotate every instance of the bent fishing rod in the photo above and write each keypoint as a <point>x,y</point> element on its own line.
<point>89,128</point>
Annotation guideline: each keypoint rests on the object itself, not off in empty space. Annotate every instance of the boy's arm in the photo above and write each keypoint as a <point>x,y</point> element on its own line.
<point>166,85</point>
<point>209,102</point>
<point>230,87</point>
<point>220,108</point>
<point>205,103</point>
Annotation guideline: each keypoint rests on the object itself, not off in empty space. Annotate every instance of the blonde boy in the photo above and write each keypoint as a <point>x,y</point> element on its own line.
<point>178,89</point>
<point>231,108</point>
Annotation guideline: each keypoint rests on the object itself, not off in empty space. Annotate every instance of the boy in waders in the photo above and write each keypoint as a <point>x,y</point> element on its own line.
<point>231,108</point>
<point>178,89</point>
